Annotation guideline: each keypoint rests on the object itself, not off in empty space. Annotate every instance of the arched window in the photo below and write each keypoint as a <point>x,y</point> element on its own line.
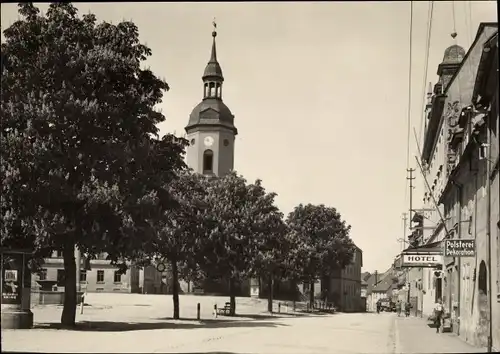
<point>212,89</point>
<point>208,161</point>
<point>205,91</point>
<point>483,279</point>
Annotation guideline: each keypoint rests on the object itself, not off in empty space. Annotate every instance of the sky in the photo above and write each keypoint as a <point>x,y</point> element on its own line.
<point>319,90</point>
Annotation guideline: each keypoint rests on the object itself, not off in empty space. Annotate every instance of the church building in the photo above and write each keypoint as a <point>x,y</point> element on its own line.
<point>211,131</point>
<point>211,134</point>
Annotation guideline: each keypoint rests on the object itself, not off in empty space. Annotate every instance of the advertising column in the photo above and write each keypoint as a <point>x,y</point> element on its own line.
<point>254,287</point>
<point>16,287</point>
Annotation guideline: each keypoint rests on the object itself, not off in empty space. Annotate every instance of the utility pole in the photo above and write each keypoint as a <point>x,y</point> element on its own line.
<point>403,242</point>
<point>410,178</point>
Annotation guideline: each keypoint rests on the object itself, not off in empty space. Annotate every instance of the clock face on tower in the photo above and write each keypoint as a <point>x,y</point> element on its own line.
<point>208,141</point>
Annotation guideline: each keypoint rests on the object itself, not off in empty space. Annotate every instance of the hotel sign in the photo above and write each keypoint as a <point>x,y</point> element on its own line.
<point>422,260</point>
<point>460,248</point>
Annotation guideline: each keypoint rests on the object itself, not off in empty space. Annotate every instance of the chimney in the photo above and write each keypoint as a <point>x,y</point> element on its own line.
<point>376,277</point>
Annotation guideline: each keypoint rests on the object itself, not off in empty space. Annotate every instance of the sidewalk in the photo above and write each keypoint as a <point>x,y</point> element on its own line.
<point>413,335</point>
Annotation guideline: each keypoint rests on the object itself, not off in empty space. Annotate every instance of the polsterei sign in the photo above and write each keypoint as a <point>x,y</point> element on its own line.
<point>460,248</point>
<point>422,260</point>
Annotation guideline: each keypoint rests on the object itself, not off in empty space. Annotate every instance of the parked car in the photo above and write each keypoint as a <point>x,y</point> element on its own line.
<point>387,305</point>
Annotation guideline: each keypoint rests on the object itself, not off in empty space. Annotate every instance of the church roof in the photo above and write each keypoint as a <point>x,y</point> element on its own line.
<point>213,69</point>
<point>211,111</point>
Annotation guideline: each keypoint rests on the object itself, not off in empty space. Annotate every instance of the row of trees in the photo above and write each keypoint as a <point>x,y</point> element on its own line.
<point>82,166</point>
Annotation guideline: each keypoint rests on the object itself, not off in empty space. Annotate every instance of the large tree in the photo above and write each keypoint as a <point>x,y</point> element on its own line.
<point>323,242</point>
<point>80,165</point>
<point>274,245</point>
<point>179,229</point>
<point>238,215</point>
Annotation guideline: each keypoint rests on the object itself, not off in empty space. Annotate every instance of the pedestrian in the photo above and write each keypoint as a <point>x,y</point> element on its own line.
<point>438,314</point>
<point>378,306</point>
<point>407,309</point>
<point>398,307</point>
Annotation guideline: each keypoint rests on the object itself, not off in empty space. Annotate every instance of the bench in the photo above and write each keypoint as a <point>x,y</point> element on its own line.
<point>321,305</point>
<point>226,310</point>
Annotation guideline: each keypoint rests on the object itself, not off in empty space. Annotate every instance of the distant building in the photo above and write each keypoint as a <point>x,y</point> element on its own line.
<point>381,286</point>
<point>101,277</point>
<point>344,288</point>
<point>364,290</point>
<point>364,284</point>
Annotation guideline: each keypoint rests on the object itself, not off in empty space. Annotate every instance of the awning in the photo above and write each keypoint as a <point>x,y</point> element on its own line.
<point>430,248</point>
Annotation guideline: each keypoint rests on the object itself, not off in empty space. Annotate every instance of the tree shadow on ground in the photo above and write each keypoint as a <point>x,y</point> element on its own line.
<point>108,326</point>
<point>275,315</point>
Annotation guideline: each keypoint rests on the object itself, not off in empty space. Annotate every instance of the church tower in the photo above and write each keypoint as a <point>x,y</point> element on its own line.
<point>211,132</point>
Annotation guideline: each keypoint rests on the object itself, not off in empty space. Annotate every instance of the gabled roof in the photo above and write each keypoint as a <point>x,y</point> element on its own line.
<point>386,284</point>
<point>379,277</point>
<point>364,277</point>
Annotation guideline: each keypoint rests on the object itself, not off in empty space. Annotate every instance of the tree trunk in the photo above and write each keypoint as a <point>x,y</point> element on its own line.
<point>68,316</point>
<point>232,297</point>
<point>270,294</point>
<point>311,294</point>
<point>175,288</point>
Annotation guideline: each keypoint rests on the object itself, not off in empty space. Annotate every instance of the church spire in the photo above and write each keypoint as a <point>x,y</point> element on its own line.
<point>213,56</point>
<point>212,76</point>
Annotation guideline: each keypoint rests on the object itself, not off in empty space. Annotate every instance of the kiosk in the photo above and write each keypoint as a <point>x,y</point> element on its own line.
<point>16,289</point>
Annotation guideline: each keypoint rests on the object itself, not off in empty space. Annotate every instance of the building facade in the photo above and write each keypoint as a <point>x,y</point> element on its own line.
<point>485,99</point>
<point>457,203</point>
<point>344,288</point>
<point>434,160</point>
<point>101,277</point>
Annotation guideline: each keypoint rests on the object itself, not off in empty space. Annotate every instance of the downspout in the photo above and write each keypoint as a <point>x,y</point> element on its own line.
<point>488,232</point>
<point>459,259</point>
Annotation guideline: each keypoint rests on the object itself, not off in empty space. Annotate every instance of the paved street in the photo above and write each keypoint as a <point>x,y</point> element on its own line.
<point>135,323</point>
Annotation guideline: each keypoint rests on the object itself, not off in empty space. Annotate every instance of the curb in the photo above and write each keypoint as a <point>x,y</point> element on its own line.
<point>397,346</point>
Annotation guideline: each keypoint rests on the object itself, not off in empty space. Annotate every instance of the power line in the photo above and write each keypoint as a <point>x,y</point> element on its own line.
<point>409,96</point>
<point>468,25</point>
<point>471,34</point>
<point>427,47</point>
<point>409,88</point>
<point>454,20</point>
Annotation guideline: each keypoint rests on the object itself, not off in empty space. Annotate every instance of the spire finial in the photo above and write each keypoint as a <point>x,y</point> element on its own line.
<point>213,56</point>
<point>454,35</point>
